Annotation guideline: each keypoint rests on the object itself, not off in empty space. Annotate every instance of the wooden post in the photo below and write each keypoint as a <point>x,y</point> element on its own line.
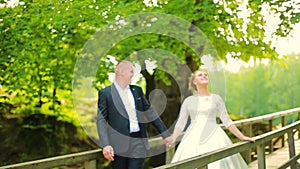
<point>261,156</point>
<point>299,128</point>
<point>291,144</point>
<point>249,132</point>
<point>271,142</point>
<point>292,151</point>
<point>169,154</point>
<point>283,136</point>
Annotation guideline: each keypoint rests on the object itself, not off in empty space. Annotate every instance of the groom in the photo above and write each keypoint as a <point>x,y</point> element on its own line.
<point>123,114</point>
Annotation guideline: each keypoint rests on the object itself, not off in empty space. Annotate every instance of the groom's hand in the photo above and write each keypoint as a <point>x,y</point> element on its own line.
<point>108,152</point>
<point>168,141</point>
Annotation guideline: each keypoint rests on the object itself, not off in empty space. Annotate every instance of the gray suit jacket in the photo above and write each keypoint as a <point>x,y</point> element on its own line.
<point>113,121</point>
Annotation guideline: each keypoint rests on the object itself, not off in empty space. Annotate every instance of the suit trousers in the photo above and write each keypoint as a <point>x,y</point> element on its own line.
<point>132,159</point>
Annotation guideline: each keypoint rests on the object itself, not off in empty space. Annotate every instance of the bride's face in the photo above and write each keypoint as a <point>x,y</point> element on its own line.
<point>201,77</point>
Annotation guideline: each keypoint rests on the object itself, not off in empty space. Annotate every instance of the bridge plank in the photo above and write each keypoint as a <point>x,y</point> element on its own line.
<point>277,158</point>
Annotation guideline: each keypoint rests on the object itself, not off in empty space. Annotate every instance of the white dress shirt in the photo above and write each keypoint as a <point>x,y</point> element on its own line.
<point>129,104</point>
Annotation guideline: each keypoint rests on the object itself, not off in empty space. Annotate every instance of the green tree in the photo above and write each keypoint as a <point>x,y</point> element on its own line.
<point>264,89</point>
<point>41,41</point>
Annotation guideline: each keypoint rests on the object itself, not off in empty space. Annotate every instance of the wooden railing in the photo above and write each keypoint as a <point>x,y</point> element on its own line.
<point>261,140</point>
<point>90,159</point>
<point>247,126</point>
<point>291,163</point>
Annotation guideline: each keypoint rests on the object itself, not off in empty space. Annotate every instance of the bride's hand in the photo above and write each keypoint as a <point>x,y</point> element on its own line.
<point>248,139</point>
<point>173,139</point>
<point>168,141</point>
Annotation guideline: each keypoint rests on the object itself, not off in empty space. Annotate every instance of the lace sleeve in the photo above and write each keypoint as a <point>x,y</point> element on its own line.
<point>183,116</point>
<point>223,112</point>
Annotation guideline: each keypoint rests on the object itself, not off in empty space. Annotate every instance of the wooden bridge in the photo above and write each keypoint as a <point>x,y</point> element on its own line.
<point>258,154</point>
<point>277,158</point>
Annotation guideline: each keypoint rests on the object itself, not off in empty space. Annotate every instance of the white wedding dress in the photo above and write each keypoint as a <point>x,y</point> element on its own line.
<point>204,134</point>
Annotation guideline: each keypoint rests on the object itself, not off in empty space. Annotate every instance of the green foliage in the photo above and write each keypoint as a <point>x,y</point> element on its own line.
<point>31,137</point>
<point>40,42</point>
<point>264,89</point>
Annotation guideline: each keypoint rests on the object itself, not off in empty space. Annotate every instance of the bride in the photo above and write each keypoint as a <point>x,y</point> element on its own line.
<point>204,134</point>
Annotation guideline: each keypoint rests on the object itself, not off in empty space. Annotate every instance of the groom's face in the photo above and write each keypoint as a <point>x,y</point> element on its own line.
<point>128,73</point>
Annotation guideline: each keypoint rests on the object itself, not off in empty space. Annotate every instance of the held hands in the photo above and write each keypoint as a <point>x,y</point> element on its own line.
<point>168,141</point>
<point>174,138</point>
<point>108,152</point>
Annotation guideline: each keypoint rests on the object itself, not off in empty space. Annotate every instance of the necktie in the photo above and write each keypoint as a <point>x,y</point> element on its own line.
<point>130,108</point>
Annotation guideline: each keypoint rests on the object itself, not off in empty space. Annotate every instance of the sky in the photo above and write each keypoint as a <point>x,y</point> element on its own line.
<point>283,45</point>
<point>290,44</point>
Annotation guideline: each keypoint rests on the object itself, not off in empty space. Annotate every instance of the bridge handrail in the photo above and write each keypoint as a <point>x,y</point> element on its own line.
<point>292,161</point>
<point>204,159</point>
<point>92,155</point>
<point>57,161</point>
<point>266,117</point>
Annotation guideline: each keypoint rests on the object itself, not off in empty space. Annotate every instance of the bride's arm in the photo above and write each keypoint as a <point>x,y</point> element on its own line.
<point>177,131</point>
<point>228,122</point>
<point>233,129</point>
<point>181,122</point>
